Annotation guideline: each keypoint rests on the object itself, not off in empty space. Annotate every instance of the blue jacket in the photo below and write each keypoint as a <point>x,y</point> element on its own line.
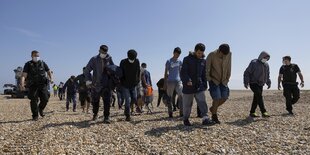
<point>97,65</point>
<point>194,70</point>
<point>146,78</point>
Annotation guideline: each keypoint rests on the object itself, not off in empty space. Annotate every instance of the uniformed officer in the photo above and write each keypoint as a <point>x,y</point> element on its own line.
<point>34,74</point>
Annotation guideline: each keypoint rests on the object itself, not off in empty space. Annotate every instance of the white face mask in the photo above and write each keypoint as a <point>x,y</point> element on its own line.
<point>35,59</point>
<point>264,60</point>
<point>131,61</point>
<point>103,55</point>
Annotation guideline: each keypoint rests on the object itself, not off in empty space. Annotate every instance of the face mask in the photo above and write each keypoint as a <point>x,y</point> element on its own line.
<point>131,61</point>
<point>103,55</point>
<point>35,59</point>
<point>225,53</point>
<point>264,60</point>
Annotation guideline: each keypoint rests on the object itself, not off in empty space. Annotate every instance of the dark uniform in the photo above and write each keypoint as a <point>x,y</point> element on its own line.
<point>37,83</point>
<point>84,92</point>
<point>290,85</point>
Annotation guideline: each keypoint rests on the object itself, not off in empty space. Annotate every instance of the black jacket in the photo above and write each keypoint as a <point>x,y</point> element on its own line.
<point>131,73</point>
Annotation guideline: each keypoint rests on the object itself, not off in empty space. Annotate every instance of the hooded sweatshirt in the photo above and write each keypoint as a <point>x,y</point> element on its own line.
<point>257,72</point>
<point>193,70</point>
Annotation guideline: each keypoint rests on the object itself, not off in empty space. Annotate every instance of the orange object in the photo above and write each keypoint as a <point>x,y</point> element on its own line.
<point>149,91</point>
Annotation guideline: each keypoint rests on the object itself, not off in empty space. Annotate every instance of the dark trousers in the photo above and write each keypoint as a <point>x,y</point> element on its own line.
<point>292,94</point>
<point>35,93</point>
<point>160,96</point>
<point>84,97</point>
<point>105,94</point>
<point>258,98</point>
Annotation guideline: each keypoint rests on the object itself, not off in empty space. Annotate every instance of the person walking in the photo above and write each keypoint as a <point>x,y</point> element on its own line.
<point>256,75</point>
<point>288,77</point>
<point>35,72</point>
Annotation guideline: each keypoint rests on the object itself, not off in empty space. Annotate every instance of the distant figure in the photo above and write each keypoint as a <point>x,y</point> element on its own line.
<point>99,82</point>
<point>218,74</point>
<point>84,91</point>
<point>60,91</point>
<point>256,76</point>
<point>35,72</point>
<point>71,86</point>
<point>288,77</point>
<point>160,86</point>
<point>147,87</point>
<point>130,80</point>
<point>55,89</point>
<point>193,75</point>
<point>173,81</point>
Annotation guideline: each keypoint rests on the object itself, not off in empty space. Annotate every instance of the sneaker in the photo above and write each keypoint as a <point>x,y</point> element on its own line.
<point>290,113</point>
<point>128,119</point>
<point>187,123</point>
<point>253,115</point>
<point>208,122</point>
<point>41,113</point>
<point>215,119</point>
<point>265,114</point>
<point>106,121</point>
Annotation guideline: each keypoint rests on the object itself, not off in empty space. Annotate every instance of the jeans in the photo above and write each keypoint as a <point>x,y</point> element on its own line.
<point>171,87</point>
<point>71,97</point>
<point>130,96</point>
<point>188,103</point>
<point>258,98</point>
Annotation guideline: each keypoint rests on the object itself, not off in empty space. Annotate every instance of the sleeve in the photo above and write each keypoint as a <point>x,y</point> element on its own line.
<point>268,76</point>
<point>184,72</point>
<point>208,67</point>
<point>229,67</point>
<point>204,77</point>
<point>144,84</point>
<point>297,69</point>
<point>139,70</point>
<point>46,67</point>
<point>167,66</point>
<point>111,61</point>
<point>281,71</point>
<point>89,68</point>
<point>158,84</point>
<point>247,73</point>
<point>26,68</point>
<point>151,80</point>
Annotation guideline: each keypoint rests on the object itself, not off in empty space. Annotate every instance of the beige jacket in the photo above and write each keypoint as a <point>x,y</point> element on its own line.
<point>218,69</point>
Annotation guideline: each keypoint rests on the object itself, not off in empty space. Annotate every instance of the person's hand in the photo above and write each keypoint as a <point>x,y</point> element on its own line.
<point>246,86</point>
<point>88,83</point>
<point>190,83</point>
<point>269,85</point>
<point>279,87</point>
<point>302,84</point>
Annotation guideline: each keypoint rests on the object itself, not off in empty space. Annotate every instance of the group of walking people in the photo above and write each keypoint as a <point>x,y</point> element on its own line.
<point>188,79</point>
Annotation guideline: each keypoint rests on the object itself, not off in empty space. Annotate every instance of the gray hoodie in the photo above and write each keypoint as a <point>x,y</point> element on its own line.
<point>257,72</point>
